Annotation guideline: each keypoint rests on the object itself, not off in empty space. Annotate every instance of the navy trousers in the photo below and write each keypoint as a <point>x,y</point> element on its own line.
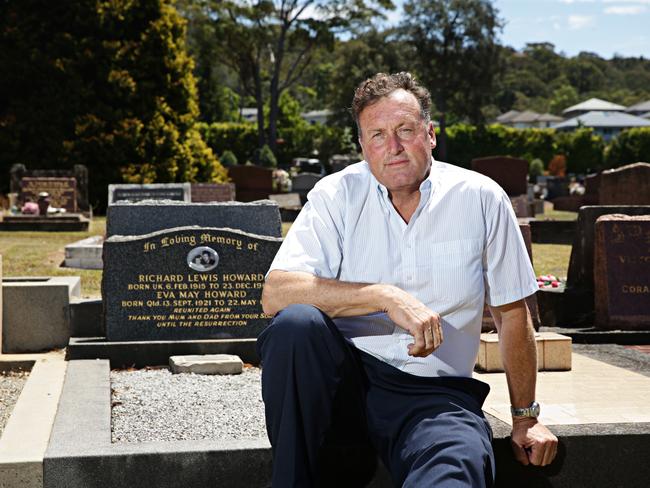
<point>330,409</point>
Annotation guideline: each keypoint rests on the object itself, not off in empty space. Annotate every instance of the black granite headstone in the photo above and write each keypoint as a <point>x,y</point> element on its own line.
<point>133,219</point>
<point>185,283</point>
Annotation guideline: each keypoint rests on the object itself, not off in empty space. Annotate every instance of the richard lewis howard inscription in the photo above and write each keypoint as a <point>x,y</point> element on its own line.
<point>185,283</point>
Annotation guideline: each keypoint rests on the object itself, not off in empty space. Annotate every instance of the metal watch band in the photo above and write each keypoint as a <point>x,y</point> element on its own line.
<point>530,411</point>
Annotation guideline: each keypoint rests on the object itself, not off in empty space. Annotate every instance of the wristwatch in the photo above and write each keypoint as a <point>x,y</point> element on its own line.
<point>530,411</point>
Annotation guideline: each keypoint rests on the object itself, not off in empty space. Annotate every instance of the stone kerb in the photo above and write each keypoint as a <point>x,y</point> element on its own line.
<point>130,219</point>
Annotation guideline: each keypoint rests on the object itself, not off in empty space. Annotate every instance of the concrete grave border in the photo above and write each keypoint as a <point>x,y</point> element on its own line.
<point>27,433</point>
<point>80,453</point>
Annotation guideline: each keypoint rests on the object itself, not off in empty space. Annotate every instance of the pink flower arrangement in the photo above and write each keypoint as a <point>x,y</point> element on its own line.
<point>548,281</point>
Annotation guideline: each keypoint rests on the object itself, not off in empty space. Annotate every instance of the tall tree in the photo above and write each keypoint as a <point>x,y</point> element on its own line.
<point>270,44</point>
<point>457,55</point>
<point>102,83</point>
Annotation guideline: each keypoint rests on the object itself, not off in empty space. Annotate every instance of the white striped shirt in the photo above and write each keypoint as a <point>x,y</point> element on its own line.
<point>461,246</point>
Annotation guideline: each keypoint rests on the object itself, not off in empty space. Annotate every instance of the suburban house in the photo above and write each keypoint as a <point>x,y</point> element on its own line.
<point>608,124</point>
<point>592,105</point>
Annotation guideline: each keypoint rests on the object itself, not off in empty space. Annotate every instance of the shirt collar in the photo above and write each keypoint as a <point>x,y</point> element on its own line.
<point>425,187</point>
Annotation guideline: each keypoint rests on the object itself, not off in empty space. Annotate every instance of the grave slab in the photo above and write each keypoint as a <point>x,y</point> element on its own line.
<point>85,254</point>
<point>186,283</point>
<point>131,219</point>
<point>207,364</point>
<point>622,272</point>
<point>553,352</point>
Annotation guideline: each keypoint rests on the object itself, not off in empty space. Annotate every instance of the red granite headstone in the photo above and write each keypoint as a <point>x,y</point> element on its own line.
<point>212,192</point>
<point>252,182</point>
<point>510,173</point>
<point>627,185</point>
<point>622,272</point>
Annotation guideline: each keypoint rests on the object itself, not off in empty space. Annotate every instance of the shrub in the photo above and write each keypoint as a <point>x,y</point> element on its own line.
<point>228,158</point>
<point>583,150</point>
<point>266,158</point>
<point>631,146</point>
<point>536,169</point>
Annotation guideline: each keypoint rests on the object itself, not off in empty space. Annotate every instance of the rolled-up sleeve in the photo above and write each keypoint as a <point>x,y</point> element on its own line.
<point>313,244</point>
<point>507,271</point>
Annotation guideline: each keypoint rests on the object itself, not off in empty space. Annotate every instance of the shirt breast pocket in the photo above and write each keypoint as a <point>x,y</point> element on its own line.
<point>451,271</point>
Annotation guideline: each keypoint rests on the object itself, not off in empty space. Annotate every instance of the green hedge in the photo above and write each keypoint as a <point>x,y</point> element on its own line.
<point>585,151</point>
<point>631,146</point>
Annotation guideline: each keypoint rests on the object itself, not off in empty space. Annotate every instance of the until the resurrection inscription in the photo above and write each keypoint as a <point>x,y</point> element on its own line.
<point>185,283</point>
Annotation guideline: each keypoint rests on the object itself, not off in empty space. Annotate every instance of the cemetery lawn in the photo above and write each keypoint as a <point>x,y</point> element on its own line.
<point>551,259</point>
<point>42,253</point>
<point>550,214</point>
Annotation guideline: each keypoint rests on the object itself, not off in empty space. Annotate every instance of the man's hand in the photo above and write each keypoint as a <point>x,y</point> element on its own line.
<point>532,442</point>
<point>412,315</point>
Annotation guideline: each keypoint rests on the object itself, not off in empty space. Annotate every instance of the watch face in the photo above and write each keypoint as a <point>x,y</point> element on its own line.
<point>534,409</point>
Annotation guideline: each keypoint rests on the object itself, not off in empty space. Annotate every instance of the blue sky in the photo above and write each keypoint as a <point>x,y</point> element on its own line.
<point>605,27</point>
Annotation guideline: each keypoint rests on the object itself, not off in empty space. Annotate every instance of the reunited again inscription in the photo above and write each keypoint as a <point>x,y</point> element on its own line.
<point>185,283</point>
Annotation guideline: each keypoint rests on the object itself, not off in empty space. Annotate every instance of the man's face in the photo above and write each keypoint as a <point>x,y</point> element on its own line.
<point>396,142</point>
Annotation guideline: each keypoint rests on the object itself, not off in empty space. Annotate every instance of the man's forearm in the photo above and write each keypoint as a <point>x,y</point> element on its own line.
<point>518,351</point>
<point>335,298</point>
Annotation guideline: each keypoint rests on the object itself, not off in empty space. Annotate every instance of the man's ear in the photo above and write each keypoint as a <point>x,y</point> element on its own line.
<point>432,134</point>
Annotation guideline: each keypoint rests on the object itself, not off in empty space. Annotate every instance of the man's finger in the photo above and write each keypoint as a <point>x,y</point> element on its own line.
<point>536,454</point>
<point>419,343</point>
<point>551,452</point>
<point>520,453</point>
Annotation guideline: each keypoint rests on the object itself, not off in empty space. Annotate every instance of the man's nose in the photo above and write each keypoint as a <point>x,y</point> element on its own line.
<point>394,144</point>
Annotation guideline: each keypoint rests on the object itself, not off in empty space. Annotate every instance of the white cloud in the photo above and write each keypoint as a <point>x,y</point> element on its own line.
<point>626,10</point>
<point>579,21</point>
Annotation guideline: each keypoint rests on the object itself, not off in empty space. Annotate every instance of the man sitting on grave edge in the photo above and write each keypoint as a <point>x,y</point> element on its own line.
<point>386,258</point>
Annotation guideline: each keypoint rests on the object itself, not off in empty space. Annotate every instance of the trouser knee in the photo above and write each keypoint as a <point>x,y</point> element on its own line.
<point>295,327</point>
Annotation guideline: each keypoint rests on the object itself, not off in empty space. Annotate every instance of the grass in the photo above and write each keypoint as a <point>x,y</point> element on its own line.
<point>42,253</point>
<point>551,259</point>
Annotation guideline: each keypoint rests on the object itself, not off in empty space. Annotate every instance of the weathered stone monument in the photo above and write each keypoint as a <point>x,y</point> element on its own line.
<point>185,283</point>
<point>289,204</point>
<point>627,185</point>
<point>622,272</point>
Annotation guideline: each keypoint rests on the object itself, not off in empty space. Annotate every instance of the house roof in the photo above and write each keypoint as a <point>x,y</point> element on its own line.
<point>639,107</point>
<point>604,119</point>
<point>549,118</point>
<point>508,116</point>
<point>526,117</point>
<point>594,104</point>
